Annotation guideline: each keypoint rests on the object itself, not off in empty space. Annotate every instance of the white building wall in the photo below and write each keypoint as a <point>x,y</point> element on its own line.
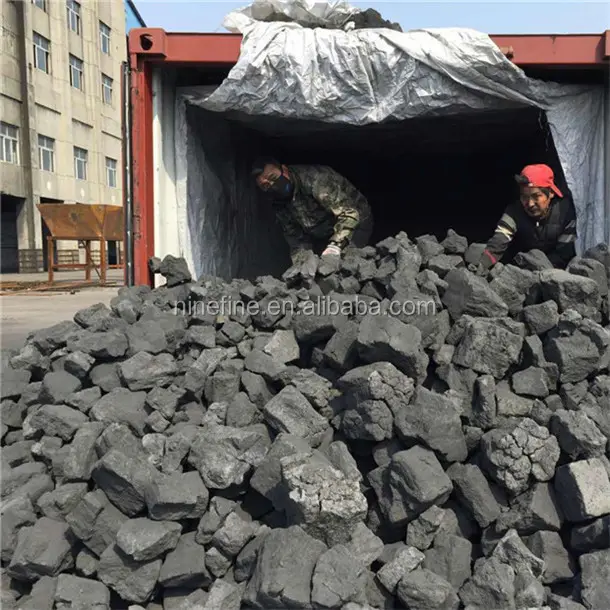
<point>52,107</point>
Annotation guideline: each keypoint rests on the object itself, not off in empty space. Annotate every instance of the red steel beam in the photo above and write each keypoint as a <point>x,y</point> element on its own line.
<point>564,50</point>
<point>142,169</point>
<point>523,49</point>
<point>182,48</point>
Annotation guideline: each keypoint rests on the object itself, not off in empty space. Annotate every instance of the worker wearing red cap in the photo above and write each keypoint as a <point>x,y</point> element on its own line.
<point>543,219</point>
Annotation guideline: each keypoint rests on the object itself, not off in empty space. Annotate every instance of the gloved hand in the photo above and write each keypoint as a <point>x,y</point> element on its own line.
<point>332,250</point>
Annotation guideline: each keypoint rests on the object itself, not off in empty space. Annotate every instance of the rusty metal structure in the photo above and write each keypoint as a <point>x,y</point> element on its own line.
<point>568,57</point>
<point>84,223</point>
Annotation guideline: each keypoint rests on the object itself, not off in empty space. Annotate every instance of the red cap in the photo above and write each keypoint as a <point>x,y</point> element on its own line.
<point>541,176</point>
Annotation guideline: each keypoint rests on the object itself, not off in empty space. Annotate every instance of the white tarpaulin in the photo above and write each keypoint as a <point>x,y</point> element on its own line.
<point>294,65</point>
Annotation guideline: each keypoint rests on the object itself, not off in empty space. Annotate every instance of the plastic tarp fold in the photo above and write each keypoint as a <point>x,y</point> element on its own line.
<point>303,60</point>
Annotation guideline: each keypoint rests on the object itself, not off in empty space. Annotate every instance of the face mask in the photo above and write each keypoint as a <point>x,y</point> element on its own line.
<point>282,188</point>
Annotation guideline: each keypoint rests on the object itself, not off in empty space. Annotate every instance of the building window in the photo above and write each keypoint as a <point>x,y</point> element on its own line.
<point>104,38</point>
<point>9,143</point>
<point>76,72</point>
<point>46,153</point>
<point>41,4</point>
<point>42,53</point>
<point>80,163</point>
<point>106,89</point>
<point>111,172</point>
<point>73,16</point>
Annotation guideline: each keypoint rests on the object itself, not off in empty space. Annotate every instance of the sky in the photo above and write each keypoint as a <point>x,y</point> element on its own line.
<point>491,17</point>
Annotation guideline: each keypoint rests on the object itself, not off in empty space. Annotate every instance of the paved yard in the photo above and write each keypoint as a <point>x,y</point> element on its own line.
<point>24,313</point>
<point>64,276</point>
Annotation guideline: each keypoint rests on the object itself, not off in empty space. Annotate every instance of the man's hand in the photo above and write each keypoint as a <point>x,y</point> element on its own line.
<point>332,250</point>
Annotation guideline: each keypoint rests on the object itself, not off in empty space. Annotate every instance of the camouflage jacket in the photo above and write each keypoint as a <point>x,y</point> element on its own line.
<point>324,206</point>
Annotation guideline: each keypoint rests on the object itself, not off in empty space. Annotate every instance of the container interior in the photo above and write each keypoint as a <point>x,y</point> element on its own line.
<point>422,176</point>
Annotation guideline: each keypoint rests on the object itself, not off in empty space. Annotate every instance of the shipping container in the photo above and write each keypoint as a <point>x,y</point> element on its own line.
<point>421,176</point>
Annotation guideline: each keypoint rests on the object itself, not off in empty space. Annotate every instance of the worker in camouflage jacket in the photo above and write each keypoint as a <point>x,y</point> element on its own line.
<point>319,210</point>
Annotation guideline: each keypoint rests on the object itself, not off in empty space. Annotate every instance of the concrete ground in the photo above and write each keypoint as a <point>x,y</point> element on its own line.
<point>112,275</point>
<point>29,310</point>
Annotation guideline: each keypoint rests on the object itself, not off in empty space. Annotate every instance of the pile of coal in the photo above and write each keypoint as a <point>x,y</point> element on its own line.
<point>372,19</point>
<point>399,434</point>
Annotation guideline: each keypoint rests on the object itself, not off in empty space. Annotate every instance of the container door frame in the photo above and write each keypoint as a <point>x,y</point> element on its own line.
<point>148,47</point>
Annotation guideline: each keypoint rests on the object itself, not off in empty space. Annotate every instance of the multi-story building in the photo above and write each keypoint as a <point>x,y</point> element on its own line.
<point>60,116</point>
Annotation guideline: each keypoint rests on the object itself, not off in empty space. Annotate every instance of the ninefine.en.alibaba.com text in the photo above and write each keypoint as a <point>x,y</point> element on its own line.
<point>320,306</point>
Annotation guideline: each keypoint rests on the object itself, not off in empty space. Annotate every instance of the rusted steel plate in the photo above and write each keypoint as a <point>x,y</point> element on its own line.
<point>114,225</point>
<point>80,221</point>
<point>71,221</point>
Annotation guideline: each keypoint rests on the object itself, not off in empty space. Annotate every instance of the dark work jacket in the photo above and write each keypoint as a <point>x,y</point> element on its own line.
<point>555,235</point>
